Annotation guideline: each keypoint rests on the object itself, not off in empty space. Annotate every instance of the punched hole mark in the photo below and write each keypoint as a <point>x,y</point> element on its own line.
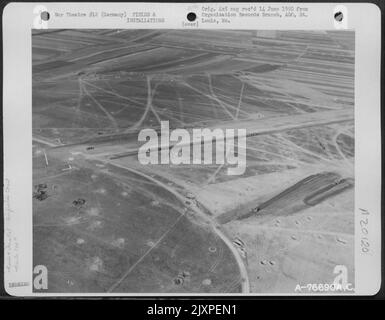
<point>338,16</point>
<point>191,16</point>
<point>44,16</point>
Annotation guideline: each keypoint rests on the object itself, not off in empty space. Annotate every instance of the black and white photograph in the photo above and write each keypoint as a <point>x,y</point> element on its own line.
<point>182,154</point>
<point>193,161</point>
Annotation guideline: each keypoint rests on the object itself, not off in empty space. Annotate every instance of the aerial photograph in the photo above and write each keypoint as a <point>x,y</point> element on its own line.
<point>104,222</point>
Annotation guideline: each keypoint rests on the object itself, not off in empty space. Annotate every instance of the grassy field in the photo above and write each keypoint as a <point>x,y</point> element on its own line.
<point>130,235</point>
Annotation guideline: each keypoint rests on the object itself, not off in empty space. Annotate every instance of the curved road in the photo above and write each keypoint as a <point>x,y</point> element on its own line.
<point>245,284</point>
<point>215,226</point>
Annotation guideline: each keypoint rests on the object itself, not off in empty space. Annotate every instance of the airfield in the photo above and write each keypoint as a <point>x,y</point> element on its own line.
<point>105,223</point>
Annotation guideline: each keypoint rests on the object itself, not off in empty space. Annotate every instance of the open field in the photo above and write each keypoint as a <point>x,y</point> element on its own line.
<point>129,235</point>
<point>103,222</point>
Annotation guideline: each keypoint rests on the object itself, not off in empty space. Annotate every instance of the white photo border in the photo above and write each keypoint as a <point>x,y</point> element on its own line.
<point>17,115</point>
